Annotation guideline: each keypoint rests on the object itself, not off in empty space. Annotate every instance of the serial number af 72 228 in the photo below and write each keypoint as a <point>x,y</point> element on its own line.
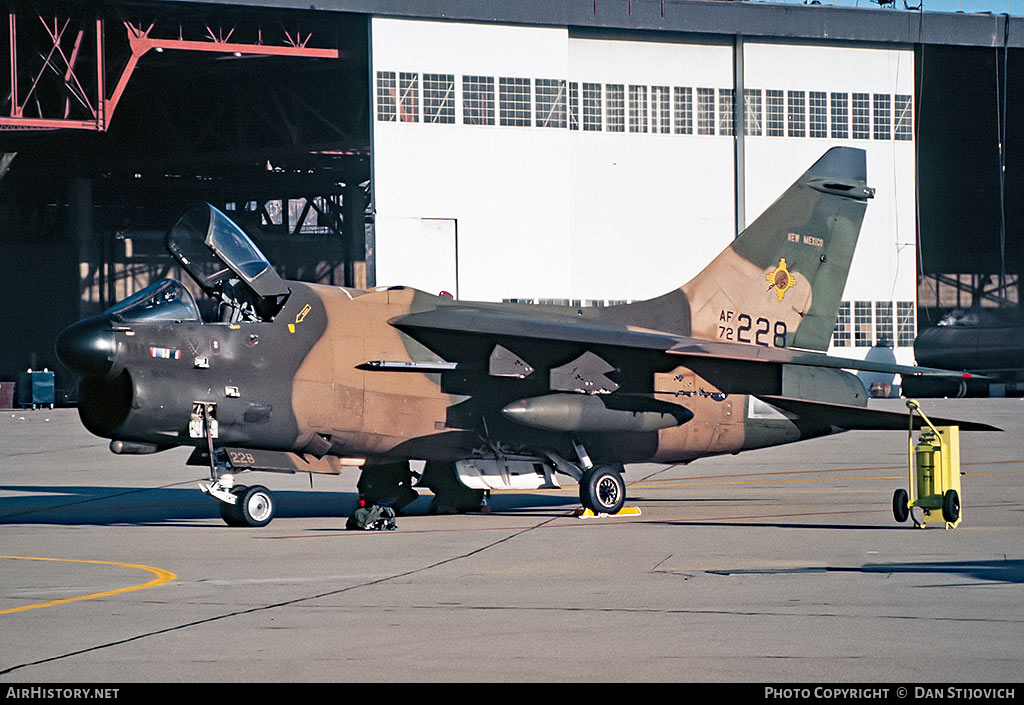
<point>744,328</point>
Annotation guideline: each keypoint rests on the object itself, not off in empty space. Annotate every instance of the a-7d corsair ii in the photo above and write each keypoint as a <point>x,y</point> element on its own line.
<point>296,377</point>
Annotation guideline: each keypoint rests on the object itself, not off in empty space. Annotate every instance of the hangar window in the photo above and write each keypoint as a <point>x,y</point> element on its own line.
<point>439,98</point>
<point>861,116</point>
<point>683,98</point>
<point>387,91</point>
<point>883,116</point>
<point>752,107</point>
<point>592,107</point>
<point>774,107</point>
<point>862,324</point>
<point>638,108</point>
<point>574,106</point>
<point>904,117</point>
<point>551,100</point>
<point>514,95</point>
<point>477,100</point>
<point>615,94</point>
<point>797,117</point>
<point>841,334</point>
<point>725,107</point>
<point>705,111</point>
<point>905,326</point>
<point>840,116</point>
<point>661,110</point>
<point>409,97</point>
<point>883,324</point>
<point>818,114</point>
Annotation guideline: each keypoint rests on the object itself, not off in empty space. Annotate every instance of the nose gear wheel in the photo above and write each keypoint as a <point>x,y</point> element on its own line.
<point>254,507</point>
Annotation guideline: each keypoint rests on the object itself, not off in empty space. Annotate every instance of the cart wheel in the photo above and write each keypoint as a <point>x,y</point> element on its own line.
<point>900,502</point>
<point>951,506</point>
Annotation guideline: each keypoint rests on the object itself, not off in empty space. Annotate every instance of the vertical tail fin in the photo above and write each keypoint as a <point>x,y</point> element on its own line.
<point>780,282</point>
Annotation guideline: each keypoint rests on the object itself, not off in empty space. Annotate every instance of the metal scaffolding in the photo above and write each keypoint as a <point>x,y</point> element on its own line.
<point>65,72</point>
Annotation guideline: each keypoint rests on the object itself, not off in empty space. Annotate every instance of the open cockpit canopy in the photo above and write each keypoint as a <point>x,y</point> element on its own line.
<point>226,264</point>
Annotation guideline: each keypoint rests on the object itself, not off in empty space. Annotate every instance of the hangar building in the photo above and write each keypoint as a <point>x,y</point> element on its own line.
<point>585,152</point>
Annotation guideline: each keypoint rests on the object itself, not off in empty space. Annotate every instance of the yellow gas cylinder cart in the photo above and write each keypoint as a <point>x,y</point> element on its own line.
<point>934,474</point>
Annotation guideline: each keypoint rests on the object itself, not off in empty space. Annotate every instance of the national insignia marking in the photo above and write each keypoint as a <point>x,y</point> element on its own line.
<point>780,279</point>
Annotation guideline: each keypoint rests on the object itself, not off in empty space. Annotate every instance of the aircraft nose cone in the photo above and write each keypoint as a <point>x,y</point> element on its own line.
<point>87,347</point>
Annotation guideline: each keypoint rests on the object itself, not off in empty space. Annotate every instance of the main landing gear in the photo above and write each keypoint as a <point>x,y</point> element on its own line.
<point>464,486</point>
<point>602,487</point>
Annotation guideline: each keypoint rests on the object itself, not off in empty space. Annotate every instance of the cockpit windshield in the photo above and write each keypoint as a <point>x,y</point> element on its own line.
<point>167,300</point>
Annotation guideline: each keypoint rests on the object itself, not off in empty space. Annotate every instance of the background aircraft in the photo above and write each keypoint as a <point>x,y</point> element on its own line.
<point>298,377</point>
<point>988,341</point>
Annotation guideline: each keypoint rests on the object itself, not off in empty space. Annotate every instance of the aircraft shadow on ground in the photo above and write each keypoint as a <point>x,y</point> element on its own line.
<point>785,525</point>
<point>992,571</point>
<point>73,505</point>
<point>1000,571</point>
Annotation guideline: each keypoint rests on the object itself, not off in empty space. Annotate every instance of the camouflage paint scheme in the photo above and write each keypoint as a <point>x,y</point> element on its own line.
<point>730,361</point>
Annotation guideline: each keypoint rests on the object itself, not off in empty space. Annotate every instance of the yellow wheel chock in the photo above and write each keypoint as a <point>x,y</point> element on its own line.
<point>589,513</point>
<point>934,474</point>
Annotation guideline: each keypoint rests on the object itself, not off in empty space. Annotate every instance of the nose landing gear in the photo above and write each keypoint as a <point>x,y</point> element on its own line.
<point>239,505</point>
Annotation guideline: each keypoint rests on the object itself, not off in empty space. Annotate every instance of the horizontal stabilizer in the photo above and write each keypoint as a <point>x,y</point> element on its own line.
<point>859,418</point>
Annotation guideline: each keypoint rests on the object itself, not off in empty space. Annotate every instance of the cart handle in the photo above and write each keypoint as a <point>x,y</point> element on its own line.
<point>913,405</point>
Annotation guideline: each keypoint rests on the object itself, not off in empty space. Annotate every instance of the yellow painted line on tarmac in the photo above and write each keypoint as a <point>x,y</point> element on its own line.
<point>765,481</point>
<point>753,480</point>
<point>162,577</point>
<point>772,478</point>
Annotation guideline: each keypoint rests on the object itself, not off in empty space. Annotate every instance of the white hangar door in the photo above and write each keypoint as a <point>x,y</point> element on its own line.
<point>440,239</point>
<point>421,253</point>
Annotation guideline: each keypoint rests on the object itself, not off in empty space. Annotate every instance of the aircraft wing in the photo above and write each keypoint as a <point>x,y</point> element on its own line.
<point>451,322</point>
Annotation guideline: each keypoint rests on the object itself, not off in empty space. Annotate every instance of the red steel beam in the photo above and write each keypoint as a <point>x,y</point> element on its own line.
<point>140,43</point>
<point>14,64</point>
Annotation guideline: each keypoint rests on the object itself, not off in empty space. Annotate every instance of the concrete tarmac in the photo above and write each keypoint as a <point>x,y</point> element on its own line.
<point>780,565</point>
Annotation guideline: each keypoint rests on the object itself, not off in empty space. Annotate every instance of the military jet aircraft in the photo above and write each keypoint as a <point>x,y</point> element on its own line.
<point>989,341</point>
<point>296,377</point>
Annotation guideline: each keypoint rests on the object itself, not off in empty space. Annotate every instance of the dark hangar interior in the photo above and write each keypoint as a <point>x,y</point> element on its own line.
<point>282,138</point>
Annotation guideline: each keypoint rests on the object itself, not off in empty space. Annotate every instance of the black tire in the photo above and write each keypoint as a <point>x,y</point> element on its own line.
<point>256,506</point>
<point>602,490</point>
<point>900,505</point>
<point>951,506</point>
<point>232,513</point>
